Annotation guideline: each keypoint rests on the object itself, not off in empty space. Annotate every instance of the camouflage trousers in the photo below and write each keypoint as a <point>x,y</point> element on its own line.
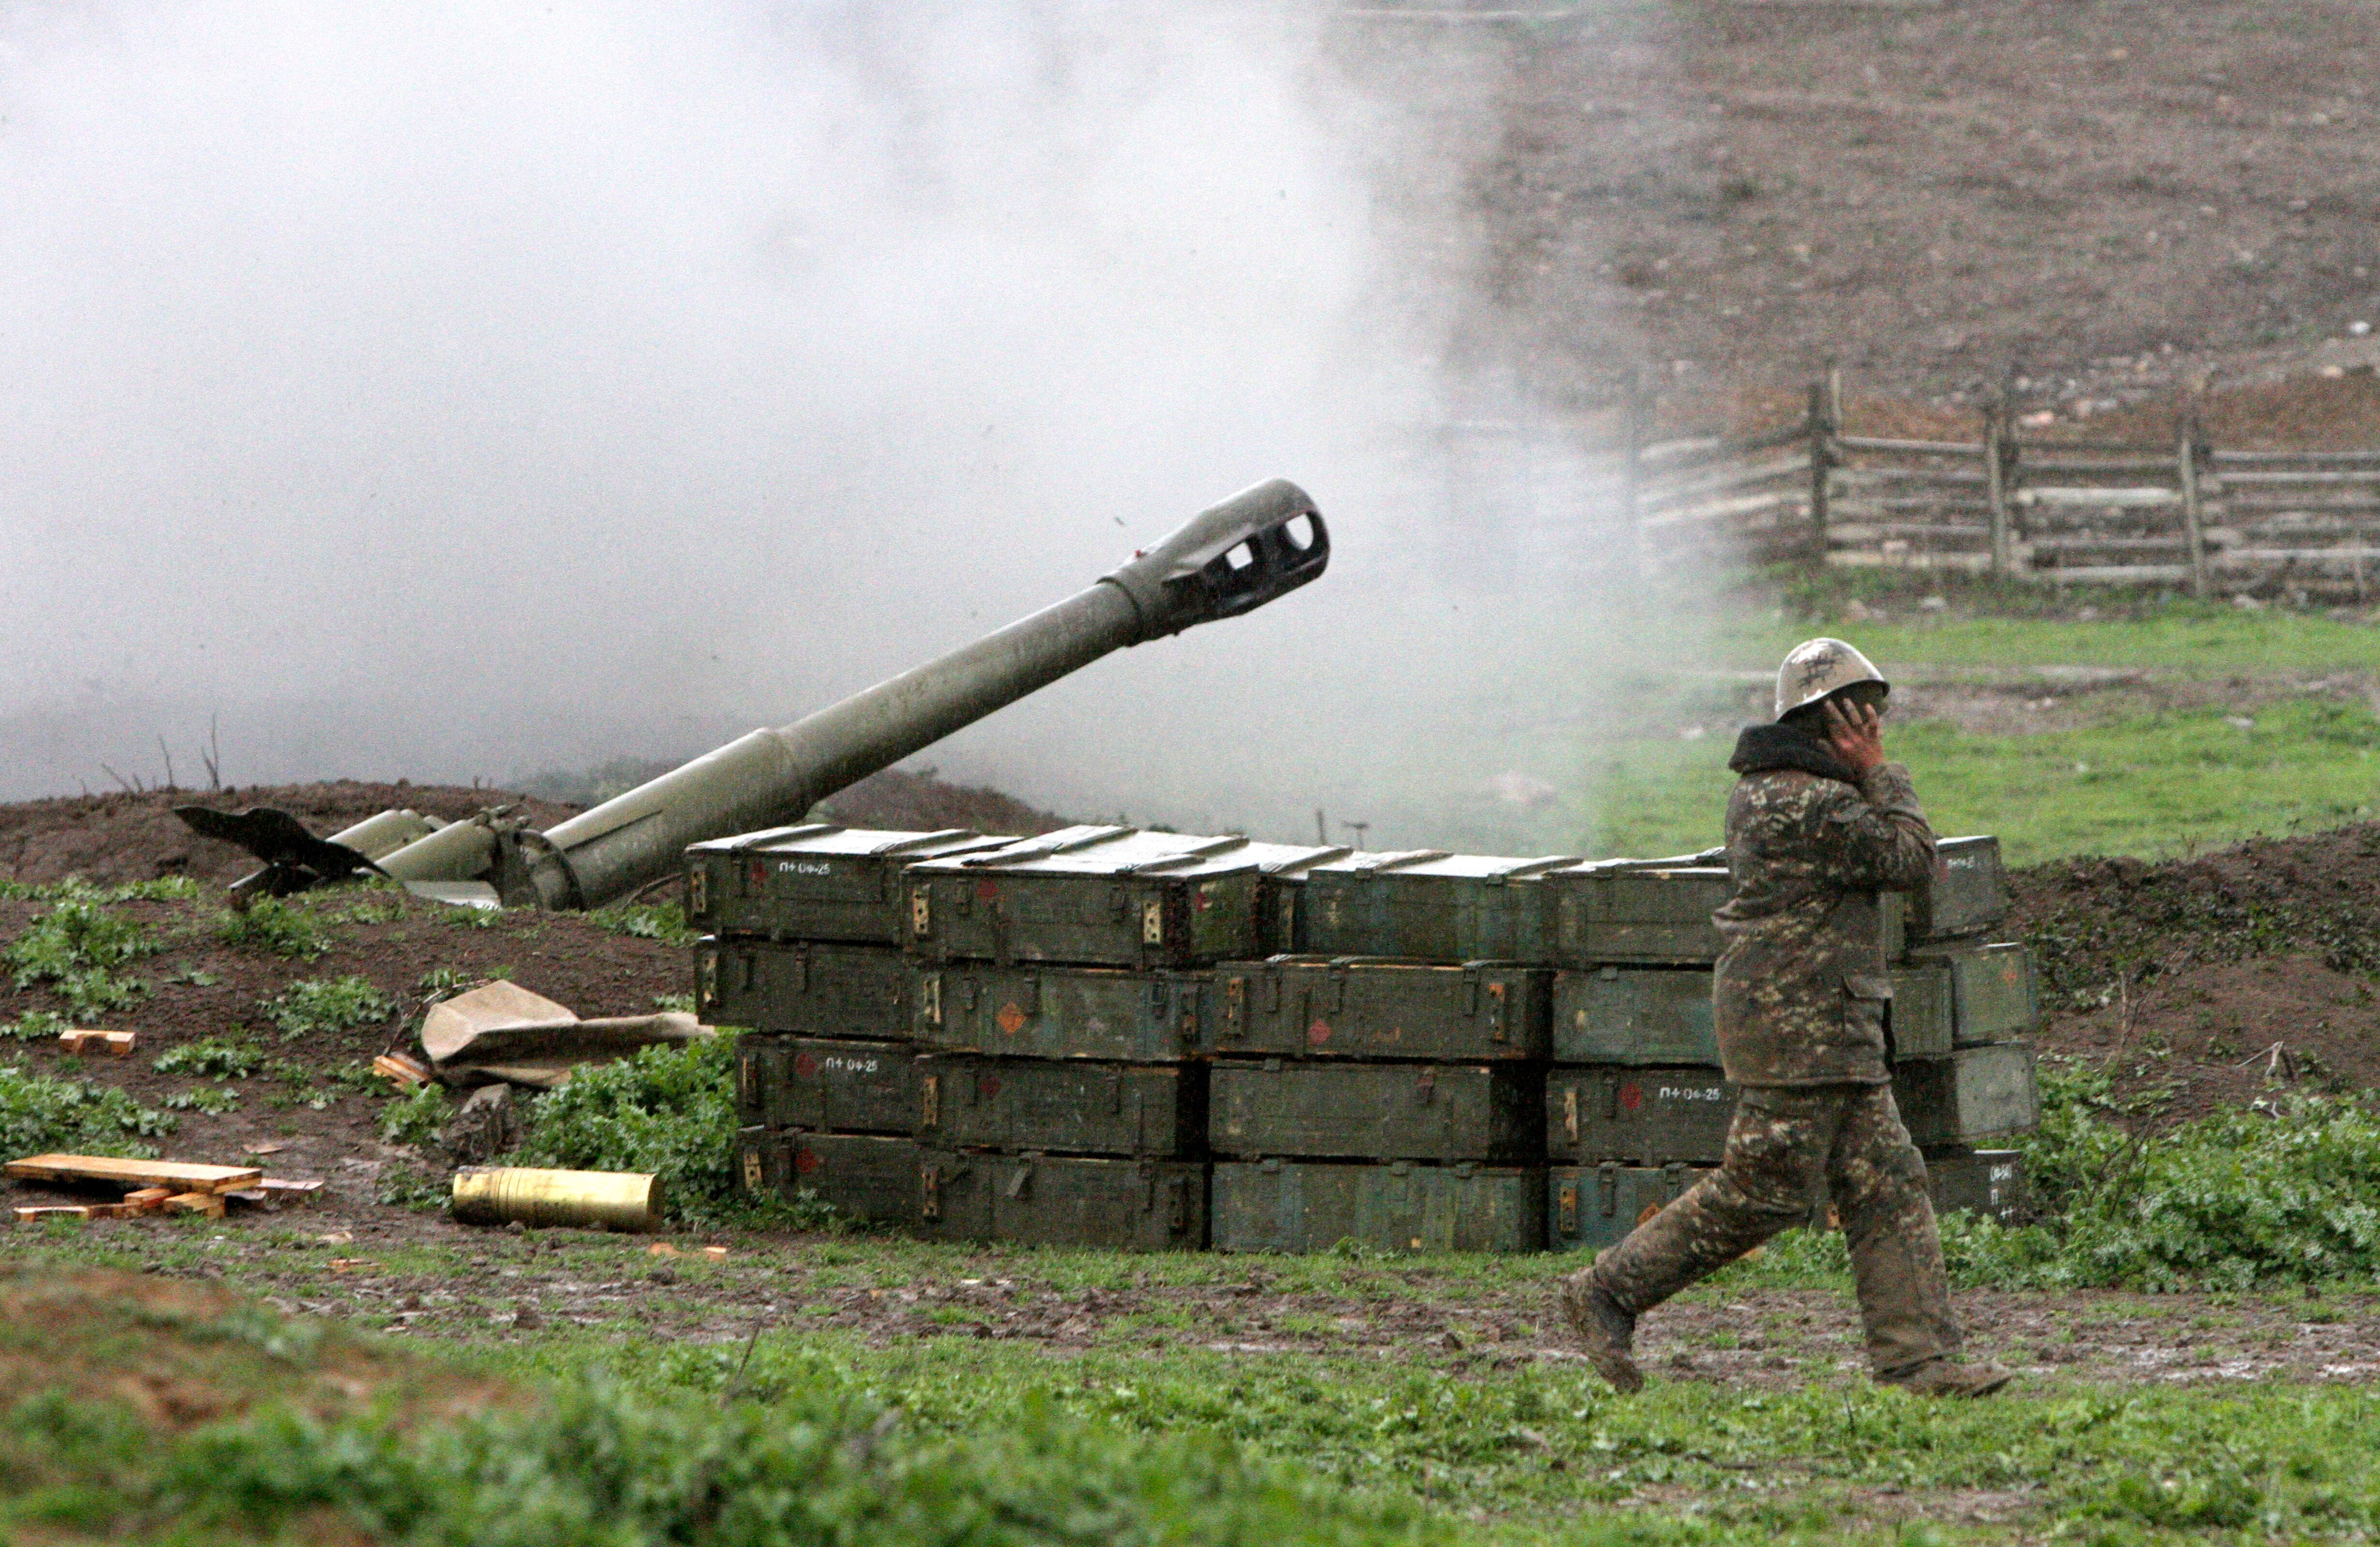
<point>1788,1150</point>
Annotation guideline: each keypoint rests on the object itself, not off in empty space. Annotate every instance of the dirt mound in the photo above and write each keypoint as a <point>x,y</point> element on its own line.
<point>2210,976</point>
<point>923,802</point>
<point>108,838</point>
<point>182,1354</point>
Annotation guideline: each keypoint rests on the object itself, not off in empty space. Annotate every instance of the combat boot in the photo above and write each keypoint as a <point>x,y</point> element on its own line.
<point>1604,1330</point>
<point>1949,1378</point>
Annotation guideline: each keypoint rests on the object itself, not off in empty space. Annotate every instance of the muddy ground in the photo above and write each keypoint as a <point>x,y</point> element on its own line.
<point>511,1286</point>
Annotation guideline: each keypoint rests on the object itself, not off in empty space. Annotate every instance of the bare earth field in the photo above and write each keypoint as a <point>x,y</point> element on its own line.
<point>2110,200</point>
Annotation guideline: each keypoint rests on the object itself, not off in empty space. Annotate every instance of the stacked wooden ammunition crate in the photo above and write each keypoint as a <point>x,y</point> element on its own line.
<point>1636,1104</point>
<point>1387,1085</point>
<point>1105,1036</point>
<point>805,927</point>
<point>1027,1065</point>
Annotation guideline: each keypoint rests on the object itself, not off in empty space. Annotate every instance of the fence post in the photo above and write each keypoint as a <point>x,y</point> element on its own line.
<point>1631,431</point>
<point>1822,461</point>
<point>2191,525</point>
<point>1995,482</point>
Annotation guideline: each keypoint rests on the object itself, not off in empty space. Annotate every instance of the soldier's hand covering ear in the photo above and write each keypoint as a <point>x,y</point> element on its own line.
<point>1855,731</point>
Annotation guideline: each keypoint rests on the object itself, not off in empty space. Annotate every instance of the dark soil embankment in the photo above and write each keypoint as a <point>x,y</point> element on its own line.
<point>2216,975</point>
<point>108,839</point>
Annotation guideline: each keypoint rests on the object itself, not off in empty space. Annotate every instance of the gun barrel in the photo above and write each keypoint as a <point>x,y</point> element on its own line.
<point>1254,547</point>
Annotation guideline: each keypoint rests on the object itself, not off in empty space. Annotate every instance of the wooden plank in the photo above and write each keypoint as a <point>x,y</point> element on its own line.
<point>2107,574</point>
<point>85,1043</point>
<point>2028,450</point>
<point>2110,499</point>
<point>1878,478</point>
<point>1911,448</point>
<point>180,1175</point>
<point>2110,466</point>
<point>2296,458</point>
<point>1704,450</point>
<point>1656,490</point>
<point>208,1203</point>
<point>2242,557</point>
<point>1668,451</point>
<point>1850,558</point>
<point>2052,546</point>
<point>1866,531</point>
<point>2193,524</point>
<point>2283,499</point>
<point>1718,510</point>
<point>1951,505</point>
<point>2299,480</point>
<point>401,1069</point>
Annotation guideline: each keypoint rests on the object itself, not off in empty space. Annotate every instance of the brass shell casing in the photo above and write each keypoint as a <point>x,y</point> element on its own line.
<point>596,1200</point>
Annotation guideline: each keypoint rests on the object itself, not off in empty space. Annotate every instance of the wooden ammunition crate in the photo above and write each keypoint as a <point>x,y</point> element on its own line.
<point>1054,1012</point>
<point>1993,991</point>
<point>1968,894</point>
<point>1989,1182</point>
<point>1071,1106</point>
<point>1304,1206</point>
<point>1063,1200</point>
<point>814,881</point>
<point>1429,906</point>
<point>817,1082</point>
<point>1625,912</point>
<point>1091,896</point>
<point>1591,1207</point>
<point>806,989</point>
<point>1442,1112</point>
<point>1352,1007</point>
<point>870,1178</point>
<point>1978,1092</point>
<point>1648,1117</point>
<point>1634,1014</point>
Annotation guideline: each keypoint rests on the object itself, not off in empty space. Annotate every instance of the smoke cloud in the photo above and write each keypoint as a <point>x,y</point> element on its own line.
<point>457,391</point>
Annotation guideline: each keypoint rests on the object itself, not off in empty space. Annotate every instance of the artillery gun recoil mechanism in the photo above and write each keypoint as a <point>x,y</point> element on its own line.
<point>1257,545</point>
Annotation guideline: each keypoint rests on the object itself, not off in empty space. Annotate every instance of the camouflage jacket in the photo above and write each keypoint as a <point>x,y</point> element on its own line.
<point>1803,983</point>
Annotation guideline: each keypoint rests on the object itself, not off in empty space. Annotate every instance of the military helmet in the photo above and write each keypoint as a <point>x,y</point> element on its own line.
<point>1818,667</point>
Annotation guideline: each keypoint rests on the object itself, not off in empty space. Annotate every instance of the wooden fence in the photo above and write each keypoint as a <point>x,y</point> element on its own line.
<point>2182,512</point>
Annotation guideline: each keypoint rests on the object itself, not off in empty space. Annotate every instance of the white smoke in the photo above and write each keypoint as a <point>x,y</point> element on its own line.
<point>458,390</point>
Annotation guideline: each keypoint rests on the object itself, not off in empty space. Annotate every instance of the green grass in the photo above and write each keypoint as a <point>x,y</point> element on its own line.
<point>2194,638</point>
<point>328,1437</point>
<point>1491,1453</point>
<point>1547,1453</point>
<point>279,928</point>
<point>40,1114</point>
<point>2151,786</point>
<point>323,1007</point>
<point>75,949</point>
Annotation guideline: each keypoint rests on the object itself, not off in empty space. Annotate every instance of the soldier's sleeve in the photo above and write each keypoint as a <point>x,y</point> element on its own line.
<point>1877,835</point>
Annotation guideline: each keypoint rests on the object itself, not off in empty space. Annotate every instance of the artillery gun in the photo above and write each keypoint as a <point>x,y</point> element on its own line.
<point>1257,545</point>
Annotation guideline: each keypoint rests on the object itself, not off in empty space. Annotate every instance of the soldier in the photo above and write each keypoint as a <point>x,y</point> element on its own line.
<point>1818,827</point>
